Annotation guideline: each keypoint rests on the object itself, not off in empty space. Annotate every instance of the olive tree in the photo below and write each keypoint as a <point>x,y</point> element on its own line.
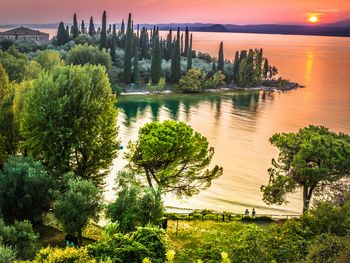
<point>69,121</point>
<point>173,157</point>
<point>74,207</point>
<point>308,159</point>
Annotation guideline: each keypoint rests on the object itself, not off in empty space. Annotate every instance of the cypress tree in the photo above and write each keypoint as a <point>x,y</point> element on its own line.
<point>82,28</point>
<point>136,66</point>
<point>103,40</point>
<point>243,55</point>
<point>182,44</point>
<point>67,34</point>
<point>122,28</point>
<point>156,67</point>
<point>259,60</point>
<point>221,57</point>
<point>176,60</point>
<point>109,29</point>
<point>266,68</point>
<point>128,52</point>
<point>75,28</point>
<point>113,45</point>
<point>236,68</point>
<point>187,39</point>
<point>61,34</point>
<point>213,68</point>
<point>169,44</point>
<point>92,30</point>
<point>189,55</point>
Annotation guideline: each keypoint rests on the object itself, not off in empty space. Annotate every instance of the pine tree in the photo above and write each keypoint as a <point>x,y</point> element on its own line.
<point>189,55</point>
<point>128,52</point>
<point>156,69</point>
<point>236,68</point>
<point>103,40</point>
<point>82,28</point>
<point>92,30</point>
<point>75,28</point>
<point>113,45</point>
<point>187,39</point>
<point>122,28</point>
<point>61,34</point>
<point>221,57</point>
<point>176,60</point>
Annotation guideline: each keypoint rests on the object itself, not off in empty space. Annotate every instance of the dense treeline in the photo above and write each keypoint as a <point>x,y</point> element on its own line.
<point>142,56</point>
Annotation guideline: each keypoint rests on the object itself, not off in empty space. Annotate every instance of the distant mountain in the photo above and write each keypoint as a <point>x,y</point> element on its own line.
<point>342,24</point>
<point>341,28</point>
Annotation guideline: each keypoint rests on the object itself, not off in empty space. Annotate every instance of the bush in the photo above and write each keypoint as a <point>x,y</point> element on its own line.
<point>20,237</point>
<point>153,239</point>
<point>24,189</point>
<point>193,81</point>
<point>48,59</point>
<point>84,54</point>
<point>7,254</point>
<point>329,249</point>
<point>68,254</point>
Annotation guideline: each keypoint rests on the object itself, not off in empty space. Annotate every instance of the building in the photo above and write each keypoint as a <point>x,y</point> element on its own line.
<point>23,33</point>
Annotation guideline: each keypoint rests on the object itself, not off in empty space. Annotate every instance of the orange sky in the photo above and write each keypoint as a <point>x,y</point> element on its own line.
<point>165,11</point>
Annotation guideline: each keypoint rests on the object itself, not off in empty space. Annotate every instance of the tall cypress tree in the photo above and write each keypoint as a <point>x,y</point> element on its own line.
<point>61,34</point>
<point>128,52</point>
<point>266,68</point>
<point>213,68</point>
<point>136,65</point>
<point>176,60</point>
<point>189,55</point>
<point>169,44</point>
<point>113,45</point>
<point>92,30</point>
<point>182,44</point>
<point>236,68</point>
<point>156,67</point>
<point>67,34</point>
<point>122,28</point>
<point>75,28</point>
<point>259,61</point>
<point>82,28</point>
<point>103,40</point>
<point>187,40</point>
<point>221,57</point>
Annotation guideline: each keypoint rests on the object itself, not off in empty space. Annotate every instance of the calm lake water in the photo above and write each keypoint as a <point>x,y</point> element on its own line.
<point>239,124</point>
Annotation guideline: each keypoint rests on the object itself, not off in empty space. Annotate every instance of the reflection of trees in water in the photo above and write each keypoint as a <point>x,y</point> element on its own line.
<point>133,106</point>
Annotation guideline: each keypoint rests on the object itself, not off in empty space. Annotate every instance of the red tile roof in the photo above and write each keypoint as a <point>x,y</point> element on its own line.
<point>23,31</point>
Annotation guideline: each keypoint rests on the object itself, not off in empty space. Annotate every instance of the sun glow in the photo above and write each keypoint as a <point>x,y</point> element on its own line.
<point>313,19</point>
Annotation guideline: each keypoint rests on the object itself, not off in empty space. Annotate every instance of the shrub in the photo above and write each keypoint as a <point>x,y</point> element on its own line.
<point>193,81</point>
<point>20,237</point>
<point>7,254</point>
<point>68,254</point>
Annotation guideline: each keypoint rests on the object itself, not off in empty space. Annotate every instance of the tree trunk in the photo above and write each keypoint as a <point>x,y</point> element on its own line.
<point>149,179</point>
<point>306,198</point>
<point>80,238</point>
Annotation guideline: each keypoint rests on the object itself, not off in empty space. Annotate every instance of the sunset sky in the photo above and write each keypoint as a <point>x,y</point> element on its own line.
<point>165,11</point>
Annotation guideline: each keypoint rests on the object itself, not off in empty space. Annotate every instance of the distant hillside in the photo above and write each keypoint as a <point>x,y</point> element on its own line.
<point>342,24</point>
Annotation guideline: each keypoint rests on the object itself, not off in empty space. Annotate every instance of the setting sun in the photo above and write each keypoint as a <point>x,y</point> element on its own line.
<point>313,19</point>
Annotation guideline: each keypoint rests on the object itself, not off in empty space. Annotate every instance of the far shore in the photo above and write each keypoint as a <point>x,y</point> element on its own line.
<point>224,88</point>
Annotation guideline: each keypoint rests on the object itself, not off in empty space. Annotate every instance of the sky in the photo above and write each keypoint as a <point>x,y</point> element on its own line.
<point>168,11</point>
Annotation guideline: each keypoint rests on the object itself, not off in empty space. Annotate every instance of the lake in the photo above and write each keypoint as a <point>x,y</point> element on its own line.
<point>238,125</point>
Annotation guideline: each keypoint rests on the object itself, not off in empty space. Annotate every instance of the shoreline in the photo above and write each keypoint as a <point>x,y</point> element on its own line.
<point>225,88</point>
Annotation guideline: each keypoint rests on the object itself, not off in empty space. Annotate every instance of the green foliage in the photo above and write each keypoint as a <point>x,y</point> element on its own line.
<point>20,237</point>
<point>156,69</point>
<point>192,81</point>
<point>75,28</point>
<point>103,40</point>
<point>213,82</point>
<point>33,70</point>
<point>174,157</point>
<point>24,189</point>
<point>14,64</point>
<point>69,121</point>
<point>48,59</point>
<point>176,61</point>
<point>128,52</point>
<point>62,35</point>
<point>329,249</point>
<point>159,87</point>
<point>84,54</point>
<point>135,204</point>
<point>144,243</point>
<point>307,159</point>
<point>75,206</point>
<point>58,255</point>
<point>7,254</point>
<point>92,31</point>
<point>221,57</point>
